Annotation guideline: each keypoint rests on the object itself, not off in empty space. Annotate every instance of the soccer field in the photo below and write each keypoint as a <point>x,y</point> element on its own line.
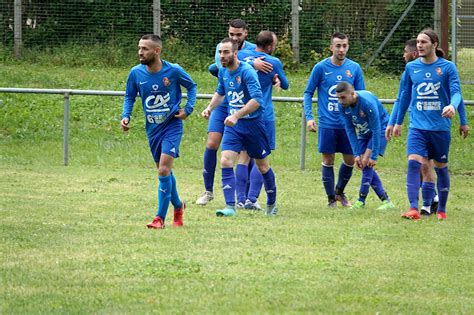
<point>74,238</point>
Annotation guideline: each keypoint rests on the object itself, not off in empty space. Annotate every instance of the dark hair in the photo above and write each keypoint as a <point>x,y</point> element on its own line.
<point>264,38</point>
<point>238,23</point>
<point>434,39</point>
<point>344,86</point>
<point>339,35</point>
<point>154,38</point>
<point>411,43</point>
<point>235,46</point>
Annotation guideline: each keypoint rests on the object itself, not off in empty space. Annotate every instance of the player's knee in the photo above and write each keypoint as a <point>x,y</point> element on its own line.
<point>226,161</point>
<point>262,166</point>
<point>213,140</point>
<point>164,170</point>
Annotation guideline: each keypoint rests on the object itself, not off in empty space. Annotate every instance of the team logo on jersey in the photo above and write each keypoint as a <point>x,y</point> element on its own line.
<point>166,81</point>
<point>155,87</point>
<point>361,114</point>
<point>439,72</point>
<point>348,73</point>
<point>339,77</point>
<point>428,75</point>
<point>238,79</point>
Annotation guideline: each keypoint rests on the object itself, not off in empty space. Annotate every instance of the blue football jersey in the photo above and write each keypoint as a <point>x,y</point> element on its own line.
<point>160,93</point>
<point>369,117</point>
<point>266,79</point>
<point>324,77</point>
<point>394,114</point>
<point>427,89</point>
<point>239,87</point>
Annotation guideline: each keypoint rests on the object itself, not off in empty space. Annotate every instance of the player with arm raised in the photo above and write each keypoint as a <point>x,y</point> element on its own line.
<point>158,83</point>
<point>244,127</point>
<point>432,91</point>
<point>363,112</point>
<point>332,136</point>
<point>238,31</point>
<point>266,42</point>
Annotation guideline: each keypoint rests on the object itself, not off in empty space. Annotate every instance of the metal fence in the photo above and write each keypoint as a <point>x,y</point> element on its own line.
<point>67,93</point>
<point>377,28</point>
<point>463,38</point>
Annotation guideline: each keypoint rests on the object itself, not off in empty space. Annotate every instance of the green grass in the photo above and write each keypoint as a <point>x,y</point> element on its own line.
<point>73,239</point>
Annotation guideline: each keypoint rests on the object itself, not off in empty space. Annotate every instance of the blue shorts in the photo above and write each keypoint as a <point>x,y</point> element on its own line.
<point>333,140</point>
<point>247,135</point>
<point>363,144</point>
<point>271,133</point>
<point>429,144</point>
<point>167,140</point>
<point>216,121</point>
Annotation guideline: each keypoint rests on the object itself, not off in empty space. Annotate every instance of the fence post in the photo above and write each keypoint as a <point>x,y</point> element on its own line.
<point>295,29</point>
<point>454,29</point>
<point>157,17</point>
<point>66,128</point>
<point>303,139</point>
<point>17,34</point>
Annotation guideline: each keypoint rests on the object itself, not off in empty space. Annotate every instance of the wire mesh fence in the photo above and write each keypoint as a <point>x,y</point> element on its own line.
<point>465,40</point>
<point>191,29</point>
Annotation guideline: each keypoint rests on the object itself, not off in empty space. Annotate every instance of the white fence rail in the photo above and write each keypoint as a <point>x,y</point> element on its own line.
<point>68,92</point>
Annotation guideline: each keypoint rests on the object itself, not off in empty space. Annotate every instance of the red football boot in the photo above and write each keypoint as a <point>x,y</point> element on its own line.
<point>178,216</point>
<point>157,223</point>
<point>412,214</point>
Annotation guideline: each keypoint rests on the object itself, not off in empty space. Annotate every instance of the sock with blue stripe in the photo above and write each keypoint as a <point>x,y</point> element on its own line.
<point>270,186</point>
<point>210,162</point>
<point>256,182</point>
<point>164,196</point>
<point>345,174</point>
<point>413,182</point>
<point>367,175</point>
<point>377,186</point>
<point>241,179</point>
<point>175,201</point>
<point>328,180</point>
<point>228,185</point>
<point>443,185</point>
<point>427,193</point>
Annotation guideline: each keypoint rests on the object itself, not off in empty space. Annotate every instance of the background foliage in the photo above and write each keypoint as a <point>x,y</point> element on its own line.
<point>192,28</point>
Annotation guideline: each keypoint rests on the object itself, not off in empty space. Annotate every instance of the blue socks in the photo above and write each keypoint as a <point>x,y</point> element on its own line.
<point>210,162</point>
<point>242,176</point>
<point>427,193</point>
<point>443,186</point>
<point>164,196</point>
<point>413,182</point>
<point>270,186</point>
<point>345,174</point>
<point>378,187</point>
<point>328,180</point>
<point>367,175</point>
<point>256,182</point>
<point>228,185</point>
<point>175,201</point>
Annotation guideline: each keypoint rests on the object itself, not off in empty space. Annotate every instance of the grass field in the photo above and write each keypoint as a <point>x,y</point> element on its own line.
<point>73,239</point>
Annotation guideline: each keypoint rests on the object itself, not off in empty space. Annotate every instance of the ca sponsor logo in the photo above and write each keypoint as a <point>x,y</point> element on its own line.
<point>157,103</point>
<point>339,77</point>
<point>428,90</point>
<point>428,75</point>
